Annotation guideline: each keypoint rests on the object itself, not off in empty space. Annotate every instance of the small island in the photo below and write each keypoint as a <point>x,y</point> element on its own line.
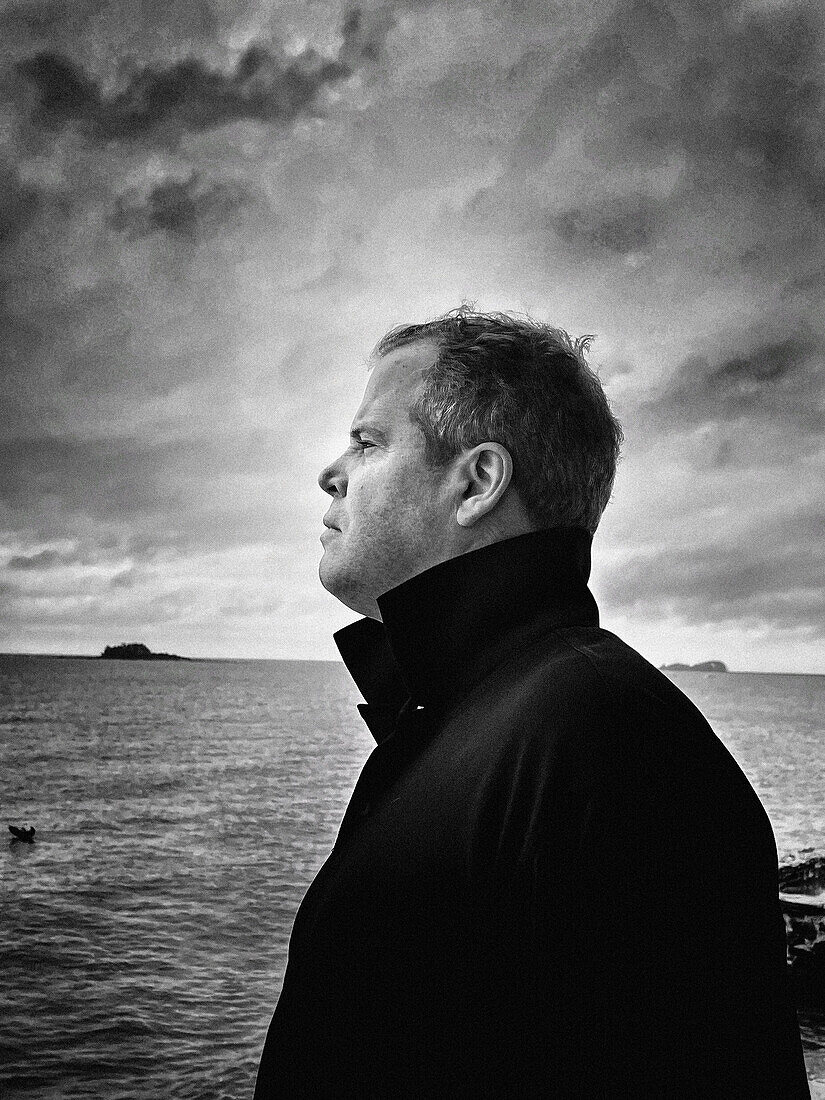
<point>137,651</point>
<point>703,666</point>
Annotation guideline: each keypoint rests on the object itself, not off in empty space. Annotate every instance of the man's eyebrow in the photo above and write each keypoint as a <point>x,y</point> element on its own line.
<point>370,430</point>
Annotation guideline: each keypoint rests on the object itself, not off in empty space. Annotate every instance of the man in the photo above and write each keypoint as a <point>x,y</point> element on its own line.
<point>552,880</point>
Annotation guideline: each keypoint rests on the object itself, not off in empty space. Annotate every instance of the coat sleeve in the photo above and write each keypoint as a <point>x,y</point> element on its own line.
<point>658,949</point>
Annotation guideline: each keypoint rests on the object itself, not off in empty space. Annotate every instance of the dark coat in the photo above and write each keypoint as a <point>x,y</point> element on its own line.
<point>552,879</point>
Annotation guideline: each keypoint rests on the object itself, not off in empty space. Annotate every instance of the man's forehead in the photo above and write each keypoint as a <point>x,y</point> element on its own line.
<point>396,378</point>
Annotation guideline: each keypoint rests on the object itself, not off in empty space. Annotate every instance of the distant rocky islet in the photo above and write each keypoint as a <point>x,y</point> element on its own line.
<point>703,666</point>
<point>137,651</point>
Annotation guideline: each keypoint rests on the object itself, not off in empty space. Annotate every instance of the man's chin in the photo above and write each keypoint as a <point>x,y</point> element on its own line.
<point>326,574</point>
<point>340,586</point>
<point>334,579</point>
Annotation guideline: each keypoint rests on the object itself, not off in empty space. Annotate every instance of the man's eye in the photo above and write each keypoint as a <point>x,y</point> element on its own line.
<point>364,443</point>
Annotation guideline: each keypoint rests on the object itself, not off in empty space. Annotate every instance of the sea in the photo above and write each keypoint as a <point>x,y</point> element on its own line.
<point>181,810</point>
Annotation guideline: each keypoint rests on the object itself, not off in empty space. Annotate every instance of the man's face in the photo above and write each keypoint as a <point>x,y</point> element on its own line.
<point>392,515</point>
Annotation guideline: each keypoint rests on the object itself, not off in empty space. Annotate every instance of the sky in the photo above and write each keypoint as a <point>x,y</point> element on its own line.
<point>212,210</point>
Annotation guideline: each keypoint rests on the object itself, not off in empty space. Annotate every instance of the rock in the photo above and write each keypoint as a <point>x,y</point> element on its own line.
<point>703,666</point>
<point>802,898</point>
<point>137,651</point>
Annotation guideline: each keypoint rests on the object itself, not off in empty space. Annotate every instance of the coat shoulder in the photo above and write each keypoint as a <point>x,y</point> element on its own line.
<point>583,696</point>
<point>582,674</point>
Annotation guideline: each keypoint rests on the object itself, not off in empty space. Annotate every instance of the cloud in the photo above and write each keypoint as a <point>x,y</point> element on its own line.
<point>770,375</point>
<point>127,577</point>
<point>41,560</point>
<point>21,202</point>
<point>764,572</point>
<point>182,206</point>
<point>691,132</point>
<point>161,104</point>
<point>112,23</point>
<point>737,91</point>
<point>66,92</point>
<point>364,35</point>
<point>756,100</point>
<point>107,478</point>
<point>622,224</point>
<point>144,497</point>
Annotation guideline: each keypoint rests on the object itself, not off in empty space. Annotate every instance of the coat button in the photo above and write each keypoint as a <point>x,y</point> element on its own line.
<point>365,809</point>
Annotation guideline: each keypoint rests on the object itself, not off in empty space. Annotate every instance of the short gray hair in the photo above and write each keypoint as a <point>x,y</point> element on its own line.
<point>512,380</point>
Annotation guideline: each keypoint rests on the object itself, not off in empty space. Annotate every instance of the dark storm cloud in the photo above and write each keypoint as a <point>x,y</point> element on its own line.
<point>19,206</point>
<point>43,560</point>
<point>189,96</point>
<point>364,34</point>
<point>183,206</point>
<point>624,223</point>
<point>163,104</point>
<point>778,380</point>
<point>767,572</point>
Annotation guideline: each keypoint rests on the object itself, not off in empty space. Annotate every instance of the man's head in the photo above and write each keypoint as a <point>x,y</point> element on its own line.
<point>473,428</point>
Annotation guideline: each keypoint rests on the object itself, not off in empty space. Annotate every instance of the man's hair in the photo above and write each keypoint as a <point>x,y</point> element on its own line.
<point>526,385</point>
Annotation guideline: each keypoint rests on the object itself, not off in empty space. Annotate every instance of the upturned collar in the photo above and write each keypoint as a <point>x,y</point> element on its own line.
<point>445,629</point>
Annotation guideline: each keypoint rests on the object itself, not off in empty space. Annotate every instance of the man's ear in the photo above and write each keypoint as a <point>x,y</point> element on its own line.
<point>486,472</point>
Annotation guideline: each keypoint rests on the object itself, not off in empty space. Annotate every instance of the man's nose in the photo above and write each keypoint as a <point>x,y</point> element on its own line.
<point>332,479</point>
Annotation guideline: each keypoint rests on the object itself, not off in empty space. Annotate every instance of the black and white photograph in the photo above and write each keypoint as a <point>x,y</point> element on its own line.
<point>412,549</point>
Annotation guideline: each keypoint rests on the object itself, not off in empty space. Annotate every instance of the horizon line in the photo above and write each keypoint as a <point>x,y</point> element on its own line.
<point>335,661</point>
